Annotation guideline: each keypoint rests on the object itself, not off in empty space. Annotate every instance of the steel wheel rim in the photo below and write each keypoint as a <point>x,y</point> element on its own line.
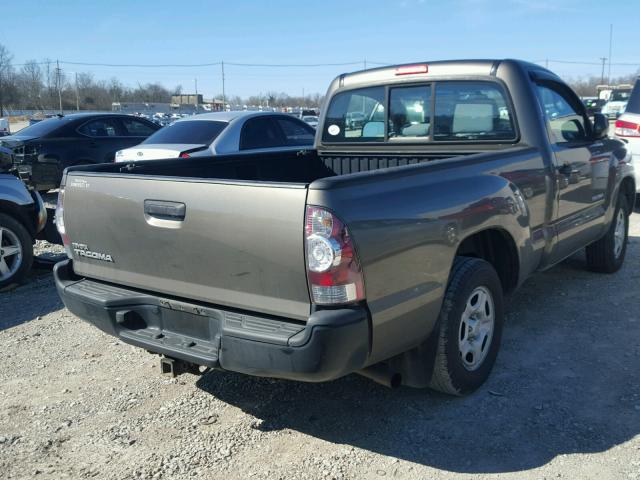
<point>619,234</point>
<point>476,328</point>
<point>10,253</point>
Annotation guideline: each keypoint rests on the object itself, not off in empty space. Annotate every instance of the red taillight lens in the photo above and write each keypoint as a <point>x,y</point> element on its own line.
<point>333,269</point>
<point>412,69</point>
<point>185,155</point>
<point>627,129</point>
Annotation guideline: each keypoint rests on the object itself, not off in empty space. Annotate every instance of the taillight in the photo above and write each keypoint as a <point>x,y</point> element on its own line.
<point>184,155</point>
<point>627,129</point>
<point>333,269</point>
<point>412,69</point>
<point>59,219</point>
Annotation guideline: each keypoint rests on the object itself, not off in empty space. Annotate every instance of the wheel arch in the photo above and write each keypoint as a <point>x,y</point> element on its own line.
<point>496,246</point>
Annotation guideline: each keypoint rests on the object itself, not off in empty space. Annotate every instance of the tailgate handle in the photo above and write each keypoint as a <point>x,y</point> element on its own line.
<point>165,210</point>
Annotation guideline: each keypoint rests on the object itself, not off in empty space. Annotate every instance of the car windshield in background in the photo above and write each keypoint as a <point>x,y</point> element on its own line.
<point>634,100</point>
<point>310,119</point>
<point>43,127</point>
<point>201,132</point>
<point>464,111</point>
<point>620,96</point>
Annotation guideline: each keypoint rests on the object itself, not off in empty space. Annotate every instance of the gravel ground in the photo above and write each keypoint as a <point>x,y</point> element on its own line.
<point>563,401</point>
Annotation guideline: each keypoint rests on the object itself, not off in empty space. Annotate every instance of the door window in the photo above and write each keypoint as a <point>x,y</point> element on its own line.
<point>565,121</point>
<point>104,127</point>
<point>260,132</point>
<point>296,133</point>
<point>136,128</point>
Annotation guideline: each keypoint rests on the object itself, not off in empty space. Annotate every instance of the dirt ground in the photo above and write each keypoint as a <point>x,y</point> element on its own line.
<point>563,401</point>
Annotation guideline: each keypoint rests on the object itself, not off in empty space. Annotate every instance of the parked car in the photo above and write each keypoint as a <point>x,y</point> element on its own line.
<point>354,120</point>
<point>386,252</point>
<point>220,133</point>
<point>615,106</point>
<point>311,120</point>
<point>628,129</point>
<point>43,150</point>
<point>22,217</point>
<point>4,127</point>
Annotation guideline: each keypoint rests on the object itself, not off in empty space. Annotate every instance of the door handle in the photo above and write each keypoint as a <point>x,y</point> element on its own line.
<point>165,210</point>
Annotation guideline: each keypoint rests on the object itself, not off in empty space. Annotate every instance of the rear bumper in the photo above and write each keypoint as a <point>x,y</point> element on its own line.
<point>331,344</point>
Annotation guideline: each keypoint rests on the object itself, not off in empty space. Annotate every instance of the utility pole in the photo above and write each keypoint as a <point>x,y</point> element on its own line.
<point>365,63</point>
<point>224,100</point>
<point>58,81</point>
<point>195,100</point>
<point>546,63</point>
<point>604,60</point>
<point>610,47</point>
<point>77,96</point>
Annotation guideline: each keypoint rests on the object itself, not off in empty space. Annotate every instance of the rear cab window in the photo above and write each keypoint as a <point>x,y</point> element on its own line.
<point>443,111</point>
<point>197,132</point>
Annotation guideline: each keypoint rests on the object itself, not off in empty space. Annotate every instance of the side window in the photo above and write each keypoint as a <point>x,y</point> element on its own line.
<point>410,112</point>
<point>136,128</point>
<point>356,116</point>
<point>260,132</point>
<point>296,133</point>
<point>104,127</point>
<point>565,122</point>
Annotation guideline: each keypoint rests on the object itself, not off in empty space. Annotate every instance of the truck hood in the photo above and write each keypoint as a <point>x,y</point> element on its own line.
<point>156,152</point>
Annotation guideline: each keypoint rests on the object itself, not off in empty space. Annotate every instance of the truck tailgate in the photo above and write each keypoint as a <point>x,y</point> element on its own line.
<point>237,244</point>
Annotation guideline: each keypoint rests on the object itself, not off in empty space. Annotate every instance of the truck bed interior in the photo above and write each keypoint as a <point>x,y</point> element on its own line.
<point>303,166</point>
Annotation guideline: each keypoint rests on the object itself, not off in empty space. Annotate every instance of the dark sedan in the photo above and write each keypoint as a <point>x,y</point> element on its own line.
<point>42,151</point>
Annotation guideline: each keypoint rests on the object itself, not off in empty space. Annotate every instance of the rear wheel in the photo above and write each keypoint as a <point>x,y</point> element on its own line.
<point>470,327</point>
<point>16,251</point>
<point>607,254</point>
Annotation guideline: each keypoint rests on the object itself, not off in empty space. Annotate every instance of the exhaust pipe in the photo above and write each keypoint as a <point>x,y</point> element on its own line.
<point>381,374</point>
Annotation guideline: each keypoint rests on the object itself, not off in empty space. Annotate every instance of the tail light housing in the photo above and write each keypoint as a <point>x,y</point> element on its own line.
<point>59,220</point>
<point>185,155</point>
<point>333,269</point>
<point>625,128</point>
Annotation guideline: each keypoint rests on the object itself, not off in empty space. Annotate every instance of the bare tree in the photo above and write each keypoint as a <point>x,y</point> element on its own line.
<point>5,70</point>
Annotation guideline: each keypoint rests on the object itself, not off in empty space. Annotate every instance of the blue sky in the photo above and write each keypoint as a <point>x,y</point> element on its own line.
<point>299,31</point>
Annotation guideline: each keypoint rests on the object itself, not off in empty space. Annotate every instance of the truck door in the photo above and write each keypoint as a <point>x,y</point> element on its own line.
<point>581,167</point>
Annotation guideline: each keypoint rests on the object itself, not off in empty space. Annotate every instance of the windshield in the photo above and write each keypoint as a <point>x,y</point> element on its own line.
<point>201,132</point>
<point>44,127</point>
<point>310,119</point>
<point>620,96</point>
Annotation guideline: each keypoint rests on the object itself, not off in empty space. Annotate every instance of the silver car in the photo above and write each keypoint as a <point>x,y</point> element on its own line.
<point>222,132</point>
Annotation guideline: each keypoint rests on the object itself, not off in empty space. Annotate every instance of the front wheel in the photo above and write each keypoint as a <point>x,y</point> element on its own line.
<point>607,254</point>
<point>16,251</point>
<point>470,327</point>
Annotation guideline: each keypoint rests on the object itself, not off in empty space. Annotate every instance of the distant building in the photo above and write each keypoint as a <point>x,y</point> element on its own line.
<point>187,99</point>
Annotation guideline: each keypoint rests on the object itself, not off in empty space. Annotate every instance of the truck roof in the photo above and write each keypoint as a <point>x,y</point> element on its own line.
<point>426,70</point>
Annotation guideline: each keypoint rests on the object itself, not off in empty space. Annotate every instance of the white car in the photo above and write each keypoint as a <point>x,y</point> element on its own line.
<point>222,132</point>
<point>628,129</point>
<point>616,104</point>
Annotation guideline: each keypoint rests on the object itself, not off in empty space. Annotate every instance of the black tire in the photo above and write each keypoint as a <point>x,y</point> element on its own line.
<point>26,243</point>
<point>602,255</point>
<point>450,372</point>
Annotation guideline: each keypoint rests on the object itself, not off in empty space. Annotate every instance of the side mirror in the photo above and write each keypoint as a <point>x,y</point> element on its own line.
<point>600,126</point>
